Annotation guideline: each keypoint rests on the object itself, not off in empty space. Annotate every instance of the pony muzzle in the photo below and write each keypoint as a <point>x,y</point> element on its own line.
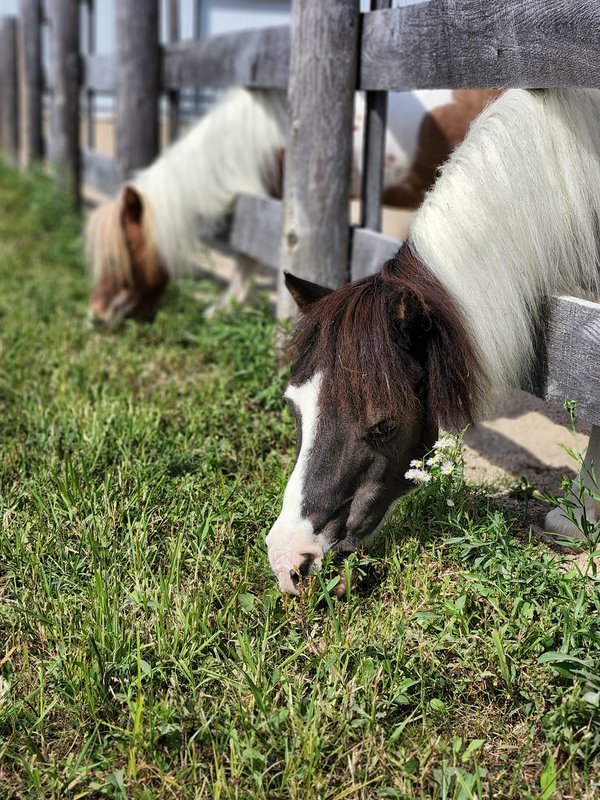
<point>294,556</point>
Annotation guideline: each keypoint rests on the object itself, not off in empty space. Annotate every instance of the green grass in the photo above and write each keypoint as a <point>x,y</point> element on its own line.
<point>145,651</point>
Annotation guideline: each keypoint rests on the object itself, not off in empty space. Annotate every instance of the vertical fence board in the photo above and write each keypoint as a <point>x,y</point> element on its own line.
<point>323,69</point>
<point>374,150</point>
<point>173,95</point>
<point>90,94</point>
<point>64,150</point>
<point>30,81</point>
<point>138,69</point>
<point>9,90</point>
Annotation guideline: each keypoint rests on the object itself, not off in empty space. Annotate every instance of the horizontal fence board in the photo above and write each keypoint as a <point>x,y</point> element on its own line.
<point>369,252</point>
<point>477,44</point>
<point>437,44</point>
<point>573,355</point>
<point>256,231</point>
<point>257,58</point>
<point>100,172</point>
<point>256,228</point>
<point>98,72</point>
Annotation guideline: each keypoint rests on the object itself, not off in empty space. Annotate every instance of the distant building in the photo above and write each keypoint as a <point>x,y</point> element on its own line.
<point>222,16</point>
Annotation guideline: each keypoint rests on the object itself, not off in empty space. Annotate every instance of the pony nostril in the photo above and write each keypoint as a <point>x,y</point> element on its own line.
<point>304,571</point>
<point>305,567</point>
<point>95,318</point>
<point>295,578</point>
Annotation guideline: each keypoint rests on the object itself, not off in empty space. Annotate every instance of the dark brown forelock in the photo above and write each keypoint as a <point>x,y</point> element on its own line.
<point>358,338</point>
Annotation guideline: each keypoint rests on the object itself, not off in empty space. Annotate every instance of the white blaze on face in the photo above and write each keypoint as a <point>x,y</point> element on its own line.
<point>292,539</point>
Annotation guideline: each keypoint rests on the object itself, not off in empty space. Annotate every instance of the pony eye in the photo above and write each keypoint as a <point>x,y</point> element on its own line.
<point>383,429</point>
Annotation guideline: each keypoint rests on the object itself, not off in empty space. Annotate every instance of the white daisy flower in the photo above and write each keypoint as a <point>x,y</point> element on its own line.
<point>445,441</point>
<point>447,468</point>
<point>422,476</point>
<point>433,460</point>
<point>410,474</point>
<point>416,462</point>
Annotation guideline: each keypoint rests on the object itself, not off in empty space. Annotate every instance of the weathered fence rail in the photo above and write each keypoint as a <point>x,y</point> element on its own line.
<point>333,50</point>
<point>247,58</point>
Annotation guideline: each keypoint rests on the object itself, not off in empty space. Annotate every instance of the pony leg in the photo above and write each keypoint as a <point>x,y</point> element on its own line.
<point>239,287</point>
<point>589,477</point>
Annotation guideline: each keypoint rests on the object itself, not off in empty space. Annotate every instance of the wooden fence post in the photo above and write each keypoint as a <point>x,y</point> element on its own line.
<point>373,165</point>
<point>64,150</point>
<point>30,81</point>
<point>173,35</point>
<point>318,159</point>
<point>138,76</point>
<point>90,94</point>
<point>9,90</point>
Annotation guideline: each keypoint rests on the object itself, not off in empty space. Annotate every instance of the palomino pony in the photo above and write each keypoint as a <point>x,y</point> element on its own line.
<point>144,237</point>
<point>445,328</point>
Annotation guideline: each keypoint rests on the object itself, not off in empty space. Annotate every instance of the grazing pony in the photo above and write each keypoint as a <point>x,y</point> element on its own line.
<point>145,236</point>
<point>446,327</point>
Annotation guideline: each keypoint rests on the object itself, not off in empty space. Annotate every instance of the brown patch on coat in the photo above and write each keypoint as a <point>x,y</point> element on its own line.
<point>441,130</point>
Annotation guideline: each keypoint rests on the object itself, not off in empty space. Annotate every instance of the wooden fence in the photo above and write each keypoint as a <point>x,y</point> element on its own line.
<point>334,50</point>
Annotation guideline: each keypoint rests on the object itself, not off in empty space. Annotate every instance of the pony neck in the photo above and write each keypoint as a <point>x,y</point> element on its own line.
<point>194,184</point>
<point>513,219</point>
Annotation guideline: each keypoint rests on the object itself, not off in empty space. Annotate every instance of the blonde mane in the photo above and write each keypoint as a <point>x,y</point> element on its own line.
<point>106,248</point>
<point>193,185</point>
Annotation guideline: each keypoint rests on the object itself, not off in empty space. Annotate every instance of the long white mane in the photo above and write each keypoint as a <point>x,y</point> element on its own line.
<point>194,183</point>
<point>514,218</point>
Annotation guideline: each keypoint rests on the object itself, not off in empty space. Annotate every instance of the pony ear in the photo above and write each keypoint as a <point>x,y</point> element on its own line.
<point>132,206</point>
<point>440,339</point>
<point>407,309</point>
<point>305,293</point>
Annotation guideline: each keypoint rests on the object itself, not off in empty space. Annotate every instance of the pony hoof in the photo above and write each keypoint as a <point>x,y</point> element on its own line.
<point>557,523</point>
<point>218,308</point>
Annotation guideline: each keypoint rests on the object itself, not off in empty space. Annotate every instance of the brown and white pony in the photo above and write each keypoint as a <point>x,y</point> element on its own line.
<point>144,237</point>
<point>446,327</point>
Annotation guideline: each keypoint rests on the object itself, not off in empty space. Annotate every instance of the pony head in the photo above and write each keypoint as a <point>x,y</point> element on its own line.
<point>377,367</point>
<point>129,274</point>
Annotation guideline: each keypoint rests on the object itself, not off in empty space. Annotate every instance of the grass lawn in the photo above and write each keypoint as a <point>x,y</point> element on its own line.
<point>145,650</point>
